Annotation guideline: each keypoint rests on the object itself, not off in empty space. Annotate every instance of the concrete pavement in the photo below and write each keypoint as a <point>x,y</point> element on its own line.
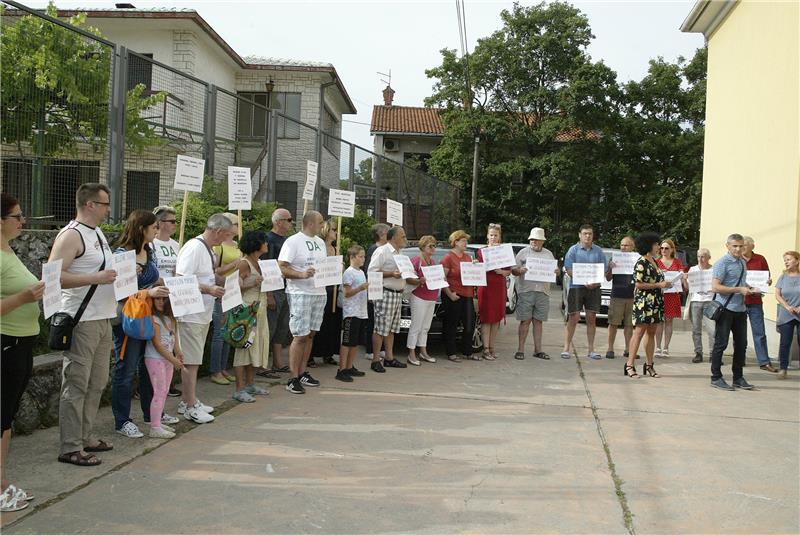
<point>559,446</point>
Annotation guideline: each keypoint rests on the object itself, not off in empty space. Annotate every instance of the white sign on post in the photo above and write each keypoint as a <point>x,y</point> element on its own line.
<point>434,277</point>
<point>240,188</point>
<point>233,292</point>
<point>51,276</point>
<point>674,278</point>
<point>585,273</point>
<point>341,202</point>
<point>473,274</point>
<point>625,262</point>
<point>394,212</point>
<point>758,280</point>
<point>125,265</point>
<point>328,272</point>
<point>700,281</point>
<point>184,295</point>
<point>311,180</point>
<point>375,290</point>
<point>271,273</point>
<point>540,269</point>
<point>405,266</point>
<point>189,173</point>
<point>498,256</point>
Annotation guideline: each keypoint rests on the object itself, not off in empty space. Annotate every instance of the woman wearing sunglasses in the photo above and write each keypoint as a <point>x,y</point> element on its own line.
<point>672,301</point>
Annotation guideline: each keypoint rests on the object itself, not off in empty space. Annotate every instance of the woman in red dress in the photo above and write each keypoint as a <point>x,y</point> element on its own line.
<point>492,297</point>
<point>672,301</point>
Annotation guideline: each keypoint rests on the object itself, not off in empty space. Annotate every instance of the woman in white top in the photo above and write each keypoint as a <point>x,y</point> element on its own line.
<point>698,301</point>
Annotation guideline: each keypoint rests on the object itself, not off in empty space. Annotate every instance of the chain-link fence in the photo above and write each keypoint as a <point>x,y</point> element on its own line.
<point>78,108</point>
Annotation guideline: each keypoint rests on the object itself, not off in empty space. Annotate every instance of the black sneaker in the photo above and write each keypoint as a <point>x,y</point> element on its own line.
<point>294,386</point>
<point>742,383</point>
<point>354,372</point>
<point>307,380</point>
<point>721,384</point>
<point>610,354</point>
<point>342,375</point>
<point>698,357</point>
<point>174,392</point>
<point>377,367</point>
<point>394,363</point>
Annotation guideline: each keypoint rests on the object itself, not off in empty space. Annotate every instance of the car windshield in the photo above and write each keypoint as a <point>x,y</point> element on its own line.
<point>438,254</point>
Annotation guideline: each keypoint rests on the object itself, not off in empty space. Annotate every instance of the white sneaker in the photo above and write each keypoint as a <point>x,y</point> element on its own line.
<point>368,356</point>
<point>197,416</point>
<point>160,432</point>
<point>167,427</point>
<point>203,407</point>
<point>657,352</point>
<point>181,407</point>
<point>168,419</point>
<point>10,501</point>
<point>130,430</point>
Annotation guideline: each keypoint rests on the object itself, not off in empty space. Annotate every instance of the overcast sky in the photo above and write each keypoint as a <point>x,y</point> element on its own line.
<point>361,38</point>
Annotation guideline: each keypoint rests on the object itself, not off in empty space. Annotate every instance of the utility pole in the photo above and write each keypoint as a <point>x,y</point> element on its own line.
<point>474,200</point>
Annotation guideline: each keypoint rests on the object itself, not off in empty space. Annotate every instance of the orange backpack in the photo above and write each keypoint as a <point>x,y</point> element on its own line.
<point>137,319</point>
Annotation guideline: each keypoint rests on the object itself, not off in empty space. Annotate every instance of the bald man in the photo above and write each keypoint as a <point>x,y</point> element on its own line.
<point>620,310</point>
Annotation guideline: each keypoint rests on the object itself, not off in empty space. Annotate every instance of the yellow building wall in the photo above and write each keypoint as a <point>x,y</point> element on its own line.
<point>751,170</point>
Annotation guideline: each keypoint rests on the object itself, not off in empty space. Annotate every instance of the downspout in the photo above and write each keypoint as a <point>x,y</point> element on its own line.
<point>322,89</point>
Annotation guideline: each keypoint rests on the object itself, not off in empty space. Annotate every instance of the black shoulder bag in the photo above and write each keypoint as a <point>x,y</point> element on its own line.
<point>62,324</point>
<point>713,309</point>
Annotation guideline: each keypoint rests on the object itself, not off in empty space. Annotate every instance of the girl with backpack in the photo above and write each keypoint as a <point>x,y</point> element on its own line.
<point>161,355</point>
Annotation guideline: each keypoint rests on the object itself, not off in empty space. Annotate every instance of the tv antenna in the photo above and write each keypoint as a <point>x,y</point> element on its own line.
<point>388,80</point>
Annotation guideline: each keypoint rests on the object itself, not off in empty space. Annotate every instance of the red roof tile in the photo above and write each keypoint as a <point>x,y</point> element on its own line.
<point>406,119</point>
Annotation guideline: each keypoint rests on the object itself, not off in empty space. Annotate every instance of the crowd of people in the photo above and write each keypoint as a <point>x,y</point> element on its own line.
<point>303,319</point>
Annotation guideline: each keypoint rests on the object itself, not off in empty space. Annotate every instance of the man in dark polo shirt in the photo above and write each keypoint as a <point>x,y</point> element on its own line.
<point>620,310</point>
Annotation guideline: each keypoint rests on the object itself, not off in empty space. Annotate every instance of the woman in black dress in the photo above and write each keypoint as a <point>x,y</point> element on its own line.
<point>326,341</point>
<point>648,303</point>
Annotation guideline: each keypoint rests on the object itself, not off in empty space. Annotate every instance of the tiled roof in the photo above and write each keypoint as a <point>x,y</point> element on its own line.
<point>406,119</point>
<point>284,62</point>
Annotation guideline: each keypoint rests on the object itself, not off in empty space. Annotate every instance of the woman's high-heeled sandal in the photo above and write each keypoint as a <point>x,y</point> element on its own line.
<point>632,373</point>
<point>650,370</point>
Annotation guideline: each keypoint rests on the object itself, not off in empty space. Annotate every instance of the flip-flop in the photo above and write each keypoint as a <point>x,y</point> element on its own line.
<point>541,355</point>
<point>77,459</point>
<point>519,355</point>
<point>101,445</point>
<point>454,358</point>
<point>594,356</point>
<point>565,355</point>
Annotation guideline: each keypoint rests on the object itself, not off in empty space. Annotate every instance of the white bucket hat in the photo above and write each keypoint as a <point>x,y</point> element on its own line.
<point>537,234</point>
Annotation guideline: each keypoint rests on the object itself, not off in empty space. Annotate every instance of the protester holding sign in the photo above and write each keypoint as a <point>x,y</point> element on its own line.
<point>229,259</point>
<point>277,304</point>
<point>533,297</point>
<point>139,232</point>
<point>492,297</point>
<point>165,251</point>
<point>755,307</point>
<point>19,328</point>
<point>379,231</point>
<point>326,343</point>
<point>423,303</point>
<point>458,299</point>
<point>697,302</point>
<point>196,258</point>
<point>246,359</point>
<point>620,309</point>
<point>87,284</point>
<point>298,256</point>
<point>354,310</point>
<point>672,301</point>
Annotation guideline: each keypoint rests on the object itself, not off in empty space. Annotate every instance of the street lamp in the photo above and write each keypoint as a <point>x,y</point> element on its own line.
<point>270,86</point>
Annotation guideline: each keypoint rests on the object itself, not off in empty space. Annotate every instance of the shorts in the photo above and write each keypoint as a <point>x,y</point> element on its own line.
<point>192,338</point>
<point>305,313</point>
<point>353,331</point>
<point>620,312</point>
<point>532,305</point>
<point>17,367</point>
<point>278,320</point>
<point>583,298</point>
<point>387,312</point>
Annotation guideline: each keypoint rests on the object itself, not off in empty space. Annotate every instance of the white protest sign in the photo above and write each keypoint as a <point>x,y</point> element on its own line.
<point>51,276</point>
<point>125,265</point>
<point>341,202</point>
<point>240,188</point>
<point>311,180</point>
<point>271,273</point>
<point>328,272</point>
<point>758,280</point>
<point>540,269</point>
<point>394,212</point>
<point>700,281</point>
<point>498,256</point>
<point>625,262</point>
<point>675,278</point>
<point>184,295</point>
<point>584,273</point>
<point>375,290</point>
<point>233,292</point>
<point>405,266</point>
<point>473,274</point>
<point>189,173</point>
<point>434,277</point>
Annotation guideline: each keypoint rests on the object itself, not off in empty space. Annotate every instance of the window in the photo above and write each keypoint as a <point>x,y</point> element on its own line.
<point>141,190</point>
<point>286,195</point>
<point>140,71</point>
<point>252,120</point>
<point>329,123</point>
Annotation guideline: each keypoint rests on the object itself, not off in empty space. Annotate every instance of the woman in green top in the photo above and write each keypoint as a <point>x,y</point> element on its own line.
<point>19,327</point>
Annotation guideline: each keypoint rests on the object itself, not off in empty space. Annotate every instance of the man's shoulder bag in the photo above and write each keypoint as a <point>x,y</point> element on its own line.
<point>713,309</point>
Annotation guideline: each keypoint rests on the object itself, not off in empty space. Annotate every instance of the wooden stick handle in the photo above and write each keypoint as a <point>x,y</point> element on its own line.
<point>183,216</point>
<point>239,214</point>
<point>338,242</point>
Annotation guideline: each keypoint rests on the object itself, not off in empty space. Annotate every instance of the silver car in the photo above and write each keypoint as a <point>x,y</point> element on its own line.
<point>605,291</point>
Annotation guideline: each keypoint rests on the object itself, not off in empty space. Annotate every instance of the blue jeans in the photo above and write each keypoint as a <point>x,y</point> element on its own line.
<point>124,372</point>
<point>729,323</point>
<point>220,351</point>
<point>785,331</point>
<point>756,315</point>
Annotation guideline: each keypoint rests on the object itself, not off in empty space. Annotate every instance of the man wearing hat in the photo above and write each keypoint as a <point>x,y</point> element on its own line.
<point>533,298</point>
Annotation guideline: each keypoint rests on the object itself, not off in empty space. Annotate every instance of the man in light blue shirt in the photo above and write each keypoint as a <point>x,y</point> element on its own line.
<point>583,297</point>
<point>729,284</point>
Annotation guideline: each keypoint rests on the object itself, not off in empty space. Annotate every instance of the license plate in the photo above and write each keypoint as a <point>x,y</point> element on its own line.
<point>405,323</point>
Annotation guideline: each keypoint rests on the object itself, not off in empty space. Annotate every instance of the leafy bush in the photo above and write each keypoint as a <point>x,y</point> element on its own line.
<point>357,229</point>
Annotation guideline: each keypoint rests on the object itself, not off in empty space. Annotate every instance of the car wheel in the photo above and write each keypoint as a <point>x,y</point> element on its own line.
<point>512,304</point>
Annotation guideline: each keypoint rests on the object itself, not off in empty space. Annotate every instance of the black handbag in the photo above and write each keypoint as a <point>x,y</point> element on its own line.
<point>713,309</point>
<point>62,324</point>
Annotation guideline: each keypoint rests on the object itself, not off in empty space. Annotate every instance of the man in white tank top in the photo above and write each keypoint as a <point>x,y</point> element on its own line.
<point>83,250</point>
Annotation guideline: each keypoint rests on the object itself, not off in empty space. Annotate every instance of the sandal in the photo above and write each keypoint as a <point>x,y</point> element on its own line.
<point>78,459</point>
<point>541,355</point>
<point>311,364</point>
<point>473,357</point>
<point>630,371</point>
<point>519,355</point>
<point>490,356</point>
<point>282,369</point>
<point>11,502</point>
<point>454,358</point>
<point>101,445</point>
<point>650,370</point>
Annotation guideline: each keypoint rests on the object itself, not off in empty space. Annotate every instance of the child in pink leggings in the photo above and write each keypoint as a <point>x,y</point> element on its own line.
<point>161,355</point>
